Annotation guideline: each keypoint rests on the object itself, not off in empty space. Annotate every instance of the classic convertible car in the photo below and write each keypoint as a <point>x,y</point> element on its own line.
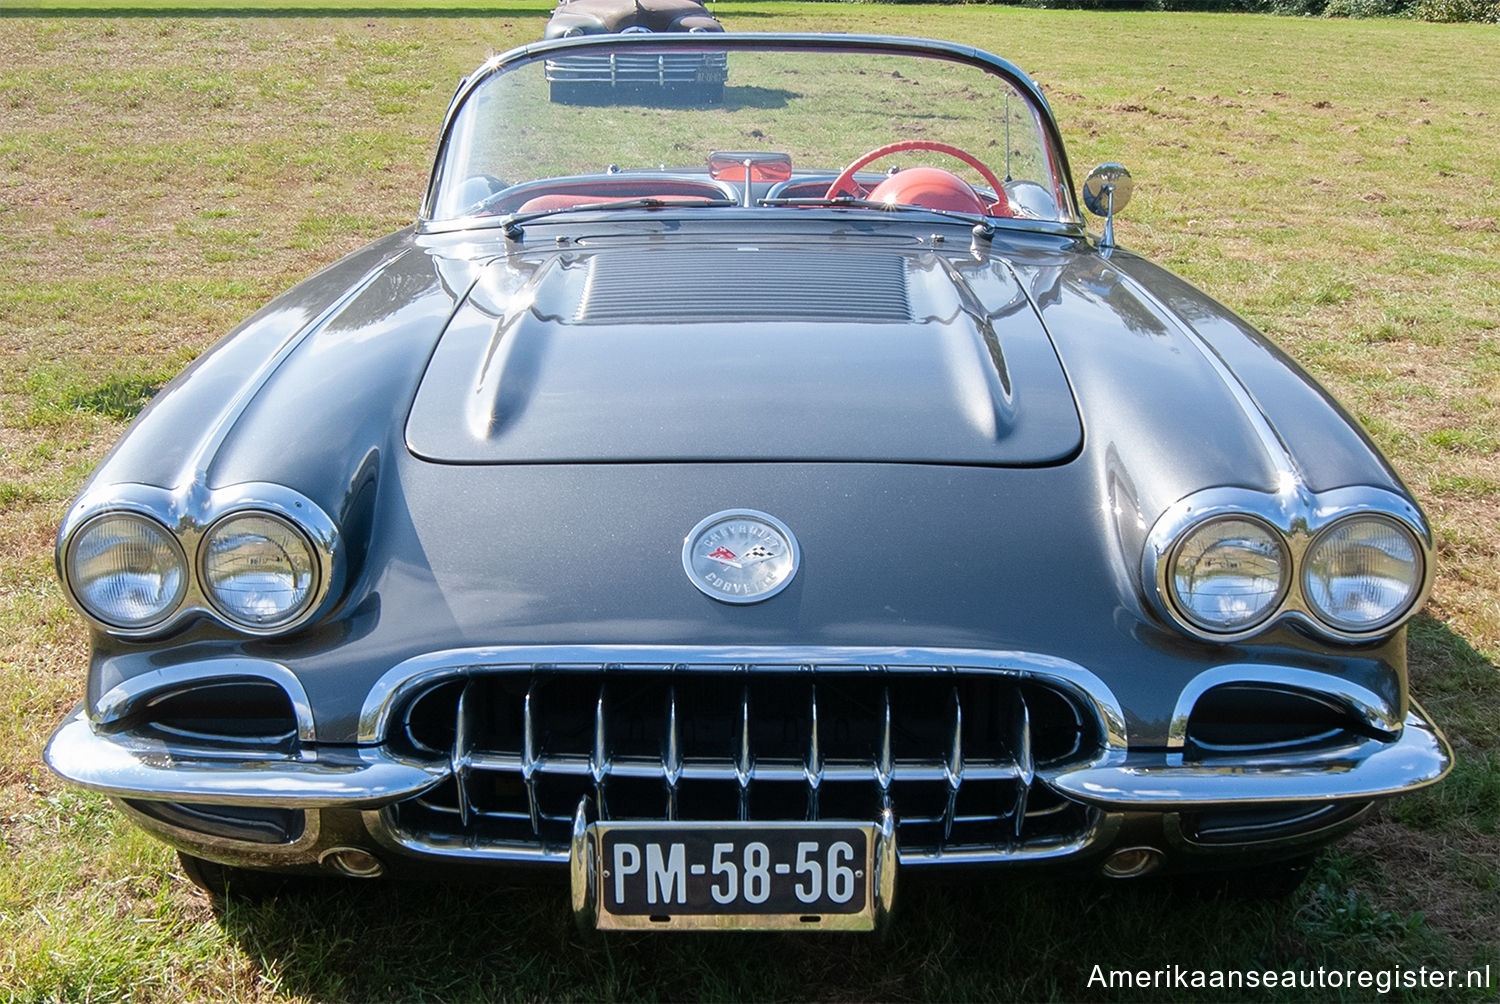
<point>731,511</point>
<point>682,76</point>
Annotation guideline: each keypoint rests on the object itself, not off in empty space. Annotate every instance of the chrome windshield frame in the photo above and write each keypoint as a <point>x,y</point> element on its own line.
<point>760,41</point>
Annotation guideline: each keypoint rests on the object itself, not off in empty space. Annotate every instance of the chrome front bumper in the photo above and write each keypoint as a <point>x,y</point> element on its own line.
<point>121,765</point>
<point>355,794</point>
<point>1361,772</point>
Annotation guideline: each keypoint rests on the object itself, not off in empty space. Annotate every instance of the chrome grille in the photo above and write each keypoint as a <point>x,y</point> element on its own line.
<point>741,285</point>
<point>954,752</point>
<point>640,68</point>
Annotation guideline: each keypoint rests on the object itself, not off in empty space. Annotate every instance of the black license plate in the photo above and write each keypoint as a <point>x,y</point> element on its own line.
<point>746,875</point>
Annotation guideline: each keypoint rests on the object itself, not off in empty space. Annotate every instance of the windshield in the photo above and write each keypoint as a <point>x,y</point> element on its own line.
<point>676,118</point>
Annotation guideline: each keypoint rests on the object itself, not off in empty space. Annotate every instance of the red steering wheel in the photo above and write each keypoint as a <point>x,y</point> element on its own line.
<point>844,183</point>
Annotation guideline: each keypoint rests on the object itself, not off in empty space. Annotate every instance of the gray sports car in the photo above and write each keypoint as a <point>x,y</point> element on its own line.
<point>727,509</point>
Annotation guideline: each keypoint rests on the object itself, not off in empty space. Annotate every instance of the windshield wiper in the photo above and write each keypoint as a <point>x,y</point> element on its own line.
<point>515,224</point>
<point>982,227</point>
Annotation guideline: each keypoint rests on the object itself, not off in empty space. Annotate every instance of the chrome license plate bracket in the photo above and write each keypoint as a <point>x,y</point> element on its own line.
<point>756,876</point>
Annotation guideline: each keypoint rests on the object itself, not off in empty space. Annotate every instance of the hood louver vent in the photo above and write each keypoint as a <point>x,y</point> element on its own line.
<point>746,285</point>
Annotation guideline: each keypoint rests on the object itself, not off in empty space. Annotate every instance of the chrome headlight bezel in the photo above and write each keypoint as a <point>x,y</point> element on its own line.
<point>187,517</point>
<point>1300,518</point>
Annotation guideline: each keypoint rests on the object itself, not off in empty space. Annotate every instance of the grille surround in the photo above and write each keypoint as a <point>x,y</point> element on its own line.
<point>528,741</point>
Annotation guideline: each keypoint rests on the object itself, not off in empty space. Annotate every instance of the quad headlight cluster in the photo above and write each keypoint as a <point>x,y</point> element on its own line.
<point>257,569</point>
<point>1229,572</point>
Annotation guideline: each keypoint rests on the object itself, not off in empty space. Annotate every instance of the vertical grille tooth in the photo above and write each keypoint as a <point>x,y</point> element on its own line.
<point>813,768</point>
<point>599,755</point>
<point>671,755</point>
<point>954,767</point>
<point>528,759</point>
<point>1026,767</point>
<point>884,765</point>
<point>462,755</point>
<point>742,760</point>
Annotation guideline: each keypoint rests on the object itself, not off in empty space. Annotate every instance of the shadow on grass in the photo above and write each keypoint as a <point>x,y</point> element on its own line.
<point>1460,688</point>
<point>757,97</point>
<point>1009,939</point>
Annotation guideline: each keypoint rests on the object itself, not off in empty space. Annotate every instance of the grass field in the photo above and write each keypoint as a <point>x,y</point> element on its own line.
<point>166,167</point>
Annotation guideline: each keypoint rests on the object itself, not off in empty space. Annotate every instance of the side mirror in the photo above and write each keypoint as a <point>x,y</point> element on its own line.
<point>1105,192</point>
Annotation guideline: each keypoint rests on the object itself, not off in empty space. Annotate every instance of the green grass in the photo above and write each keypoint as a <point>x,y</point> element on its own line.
<point>165,168</point>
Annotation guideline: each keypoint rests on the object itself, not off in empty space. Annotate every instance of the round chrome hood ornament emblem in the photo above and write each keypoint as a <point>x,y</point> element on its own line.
<point>740,556</point>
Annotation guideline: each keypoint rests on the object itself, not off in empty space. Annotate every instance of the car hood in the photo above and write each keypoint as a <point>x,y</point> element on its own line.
<point>745,354</point>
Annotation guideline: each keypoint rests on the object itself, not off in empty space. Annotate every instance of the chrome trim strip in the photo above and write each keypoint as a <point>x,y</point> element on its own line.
<point>120,700</point>
<point>1179,842</point>
<point>247,851</point>
<point>761,770</point>
<point>1102,828</point>
<point>130,767</point>
<point>1370,706</point>
<point>424,670</point>
<point>1298,516</point>
<point>1360,771</point>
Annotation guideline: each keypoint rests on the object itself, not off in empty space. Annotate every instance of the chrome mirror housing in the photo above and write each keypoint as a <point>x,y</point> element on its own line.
<point>1106,191</point>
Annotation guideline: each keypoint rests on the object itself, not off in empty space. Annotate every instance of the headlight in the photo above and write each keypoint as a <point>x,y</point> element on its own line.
<point>572,31</point>
<point>1228,574</point>
<point>1362,573</point>
<point>126,570</point>
<point>258,569</point>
